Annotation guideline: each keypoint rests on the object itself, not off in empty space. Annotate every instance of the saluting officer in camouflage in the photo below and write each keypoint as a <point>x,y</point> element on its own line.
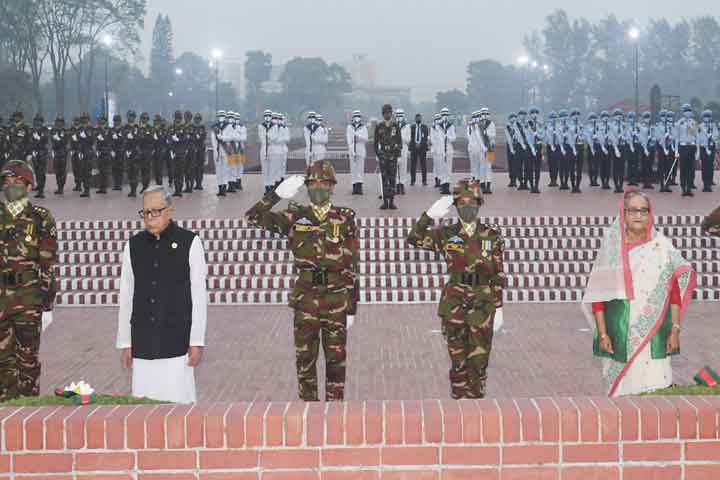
<point>325,244</point>
<point>474,291</point>
<point>388,147</point>
<point>28,255</point>
<point>711,224</point>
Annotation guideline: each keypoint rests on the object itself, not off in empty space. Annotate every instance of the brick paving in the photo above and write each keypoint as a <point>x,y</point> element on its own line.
<point>395,352</point>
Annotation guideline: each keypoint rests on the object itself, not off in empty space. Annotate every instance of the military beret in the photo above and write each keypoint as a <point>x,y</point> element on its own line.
<point>18,168</point>
<point>468,188</point>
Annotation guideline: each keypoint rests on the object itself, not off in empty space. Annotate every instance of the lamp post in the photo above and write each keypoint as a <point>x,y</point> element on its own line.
<point>107,41</point>
<point>523,61</point>
<point>634,34</point>
<point>216,55</point>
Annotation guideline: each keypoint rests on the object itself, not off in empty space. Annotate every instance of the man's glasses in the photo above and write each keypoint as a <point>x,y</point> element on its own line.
<point>152,212</point>
<point>641,212</point>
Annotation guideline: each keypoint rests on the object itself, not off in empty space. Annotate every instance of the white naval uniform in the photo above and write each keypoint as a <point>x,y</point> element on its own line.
<point>357,138</point>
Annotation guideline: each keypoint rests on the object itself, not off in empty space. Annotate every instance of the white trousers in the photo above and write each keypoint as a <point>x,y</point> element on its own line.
<point>357,168</point>
<point>403,171</point>
<point>221,167</point>
<point>444,167</point>
<point>485,168</point>
<point>166,379</point>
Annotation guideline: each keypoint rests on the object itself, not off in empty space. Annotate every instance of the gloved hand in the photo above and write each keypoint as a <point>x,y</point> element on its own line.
<point>175,138</point>
<point>82,135</point>
<point>36,136</point>
<point>56,137</point>
<point>498,321</point>
<point>130,136</point>
<point>350,321</point>
<point>290,187</point>
<point>74,137</point>
<point>441,207</point>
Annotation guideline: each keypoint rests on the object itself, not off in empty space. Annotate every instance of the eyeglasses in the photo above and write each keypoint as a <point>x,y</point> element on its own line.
<point>153,212</point>
<point>641,212</point>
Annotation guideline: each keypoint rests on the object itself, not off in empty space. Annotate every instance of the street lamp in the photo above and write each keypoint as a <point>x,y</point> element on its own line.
<point>107,41</point>
<point>634,34</point>
<point>523,61</point>
<point>216,54</point>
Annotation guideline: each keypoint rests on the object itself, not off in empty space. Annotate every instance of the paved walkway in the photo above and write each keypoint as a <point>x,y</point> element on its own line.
<point>395,352</point>
<point>504,201</point>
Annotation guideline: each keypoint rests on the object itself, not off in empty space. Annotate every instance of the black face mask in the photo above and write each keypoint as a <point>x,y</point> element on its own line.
<point>418,121</point>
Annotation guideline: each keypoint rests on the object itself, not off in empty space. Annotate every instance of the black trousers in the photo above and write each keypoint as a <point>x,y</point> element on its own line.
<point>554,163</point>
<point>76,169</point>
<point>86,164</point>
<point>118,168</point>
<point>178,167</point>
<point>594,163</point>
<point>189,168</point>
<point>199,166</point>
<point>564,166</point>
<point>133,162</point>
<point>524,166</point>
<point>576,167</point>
<point>388,171</point>
<point>665,161</point>
<point>534,165</point>
<point>418,156</point>
<point>157,164</point>
<point>619,165</point>
<point>146,163</point>
<point>707,166</point>
<point>39,161</point>
<point>633,164</point>
<point>687,166</point>
<point>60,167</point>
<point>104,167</point>
<point>646,166</point>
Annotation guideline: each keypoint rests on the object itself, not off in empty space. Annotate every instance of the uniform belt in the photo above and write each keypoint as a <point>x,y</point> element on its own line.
<point>12,279</point>
<point>469,279</point>
<point>319,276</point>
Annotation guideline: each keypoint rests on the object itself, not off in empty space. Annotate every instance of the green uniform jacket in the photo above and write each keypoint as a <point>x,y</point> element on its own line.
<point>388,141</point>
<point>331,245</point>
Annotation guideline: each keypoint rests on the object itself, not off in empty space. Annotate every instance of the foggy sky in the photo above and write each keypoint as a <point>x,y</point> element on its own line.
<point>421,44</point>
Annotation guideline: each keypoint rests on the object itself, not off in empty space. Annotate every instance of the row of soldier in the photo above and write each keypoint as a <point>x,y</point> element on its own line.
<point>140,150</point>
<point>617,146</point>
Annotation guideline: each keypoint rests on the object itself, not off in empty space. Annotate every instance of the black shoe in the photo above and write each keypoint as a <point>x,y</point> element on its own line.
<point>412,184</point>
<point>355,189</point>
<point>707,189</point>
<point>178,193</point>
<point>564,187</point>
<point>512,184</point>
<point>523,186</point>
<point>40,194</point>
<point>606,186</point>
<point>59,191</point>
<point>77,188</point>
<point>85,194</point>
<point>424,183</point>
<point>102,191</point>
<point>360,192</point>
<point>576,190</point>
<point>231,188</point>
<point>445,189</point>
<point>221,191</point>
<point>437,182</point>
<point>648,186</point>
<point>633,184</point>
<point>392,205</point>
<point>385,205</point>
<point>239,185</point>
<point>535,190</point>
<point>117,188</point>
<point>132,194</point>
<point>553,183</point>
<point>618,190</point>
<point>489,191</point>
<point>666,190</point>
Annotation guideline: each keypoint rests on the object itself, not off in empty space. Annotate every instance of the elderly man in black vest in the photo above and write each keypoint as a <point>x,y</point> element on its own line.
<point>163,304</point>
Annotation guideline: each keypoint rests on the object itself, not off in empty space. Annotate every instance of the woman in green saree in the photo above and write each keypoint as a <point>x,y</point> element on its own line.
<point>636,297</point>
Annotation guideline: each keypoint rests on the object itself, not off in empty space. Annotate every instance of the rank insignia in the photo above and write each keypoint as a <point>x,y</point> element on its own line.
<point>174,245</point>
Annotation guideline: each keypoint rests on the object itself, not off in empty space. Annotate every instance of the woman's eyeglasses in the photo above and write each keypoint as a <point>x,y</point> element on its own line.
<point>640,212</point>
<point>152,212</point>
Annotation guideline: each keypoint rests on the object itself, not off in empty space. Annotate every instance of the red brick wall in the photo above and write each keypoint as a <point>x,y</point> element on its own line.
<point>521,439</point>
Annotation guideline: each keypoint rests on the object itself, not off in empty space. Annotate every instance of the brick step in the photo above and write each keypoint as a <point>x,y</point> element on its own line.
<point>376,244</point>
<point>407,255</point>
<point>378,222</point>
<point>375,233</point>
<point>367,296</point>
<point>366,268</point>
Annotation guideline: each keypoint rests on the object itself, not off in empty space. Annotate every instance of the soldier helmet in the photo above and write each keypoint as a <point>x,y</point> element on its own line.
<point>102,119</point>
<point>445,111</point>
<point>686,107</point>
<point>321,170</point>
<point>604,114</point>
<point>563,113</point>
<point>387,108</point>
<point>400,112</point>
<point>281,115</point>
<point>178,115</point>
<point>131,115</point>
<point>646,115</point>
<point>188,116</point>
<point>475,114</point>
<point>617,112</point>
<point>437,116</point>
<point>575,112</point>
<point>669,114</point>
<point>319,117</point>
<point>275,116</point>
<point>485,111</point>
<point>707,114</point>
<point>18,115</point>
<point>631,115</point>
<point>552,115</point>
<point>117,119</point>
<point>356,113</point>
<point>512,116</point>
<point>468,188</point>
<point>269,112</point>
<point>220,113</point>
<point>310,115</point>
<point>145,117</point>
<point>20,169</point>
<point>157,117</point>
<point>522,112</point>
<point>534,111</point>
<point>592,116</point>
<point>39,119</point>
<point>59,121</point>
<point>197,118</point>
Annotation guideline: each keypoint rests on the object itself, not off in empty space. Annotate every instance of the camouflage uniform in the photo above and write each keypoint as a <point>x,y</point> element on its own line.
<point>177,138</point>
<point>146,140</point>
<point>159,150</point>
<point>471,295</point>
<point>117,154</point>
<point>28,254</point>
<point>131,147</point>
<point>104,145</point>
<point>326,289</point>
<point>18,138</point>
<point>39,151</point>
<point>189,163</point>
<point>86,139</point>
<point>711,224</point>
<point>388,147</point>
<point>75,154</point>
<point>200,134</point>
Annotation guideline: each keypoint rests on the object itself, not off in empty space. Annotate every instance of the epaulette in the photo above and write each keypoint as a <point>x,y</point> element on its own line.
<point>346,211</point>
<point>294,206</point>
<point>40,210</point>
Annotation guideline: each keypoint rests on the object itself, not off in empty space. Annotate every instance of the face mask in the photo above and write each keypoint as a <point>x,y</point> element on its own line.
<point>275,122</point>
<point>418,121</point>
<point>688,114</point>
<point>468,213</point>
<point>356,121</point>
<point>15,192</point>
<point>318,196</point>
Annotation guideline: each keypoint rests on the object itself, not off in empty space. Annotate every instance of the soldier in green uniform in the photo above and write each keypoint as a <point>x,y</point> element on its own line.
<point>59,139</point>
<point>325,244</point>
<point>75,154</point>
<point>199,136</point>
<point>104,144</point>
<point>190,145</point>
<point>711,224</point>
<point>19,137</point>
<point>388,147</point>
<point>474,291</point>
<point>39,151</point>
<point>86,137</point>
<point>178,145</point>
<point>117,154</point>
<point>28,255</point>
<point>159,150</point>
<point>146,142</point>
<point>133,159</point>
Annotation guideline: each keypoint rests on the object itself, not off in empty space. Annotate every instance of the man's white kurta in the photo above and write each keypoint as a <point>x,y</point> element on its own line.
<point>166,379</point>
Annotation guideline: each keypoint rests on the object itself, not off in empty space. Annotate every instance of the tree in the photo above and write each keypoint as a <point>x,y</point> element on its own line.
<point>493,85</point>
<point>194,86</point>
<point>455,100</point>
<point>16,91</point>
<point>706,54</point>
<point>310,83</point>
<point>161,61</point>
<point>258,66</point>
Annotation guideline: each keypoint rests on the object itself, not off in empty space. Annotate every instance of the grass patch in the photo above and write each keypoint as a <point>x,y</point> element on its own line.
<point>55,400</point>
<point>687,390</point>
